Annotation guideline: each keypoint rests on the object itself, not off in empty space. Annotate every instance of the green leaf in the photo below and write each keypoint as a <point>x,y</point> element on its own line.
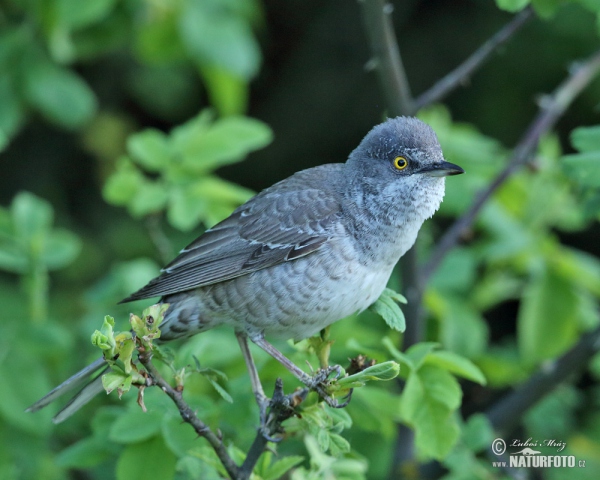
<point>512,5</point>
<point>123,185</point>
<point>583,168</point>
<point>12,113</point>
<point>114,380</point>
<point>457,271</point>
<point>586,139</point>
<point>457,365</point>
<point>32,217</point>
<point>430,397</point>
<point>185,210</point>
<point>178,436</point>
<point>59,94</point>
<point>61,247</point>
<point>13,258</point>
<point>146,460</point>
<point>220,390</point>
<point>388,309</point>
<point>227,141</point>
<point>478,432</point>
<point>136,426</point>
<point>546,8</point>
<point>278,469</point>
<point>218,37</point>
<point>227,91</point>
<point>418,352</point>
<point>382,372</point>
<point>462,328</point>
<point>338,445</point>
<point>150,149</point>
<point>86,453</point>
<point>75,14</point>
<point>151,197</point>
<point>547,320</point>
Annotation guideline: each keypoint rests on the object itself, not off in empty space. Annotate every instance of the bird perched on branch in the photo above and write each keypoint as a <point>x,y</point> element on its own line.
<point>302,254</point>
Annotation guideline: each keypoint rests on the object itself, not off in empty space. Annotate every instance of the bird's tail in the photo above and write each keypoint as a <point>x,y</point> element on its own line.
<point>82,378</point>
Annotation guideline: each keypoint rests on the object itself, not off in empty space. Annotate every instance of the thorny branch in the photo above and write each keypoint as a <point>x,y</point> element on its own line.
<point>281,408</point>
<point>189,416</point>
<point>506,414</point>
<point>551,109</point>
<point>460,75</point>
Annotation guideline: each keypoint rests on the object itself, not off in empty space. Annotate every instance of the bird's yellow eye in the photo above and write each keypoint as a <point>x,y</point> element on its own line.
<point>400,163</point>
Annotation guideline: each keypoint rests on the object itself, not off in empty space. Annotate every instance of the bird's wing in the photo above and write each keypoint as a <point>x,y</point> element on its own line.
<point>278,225</point>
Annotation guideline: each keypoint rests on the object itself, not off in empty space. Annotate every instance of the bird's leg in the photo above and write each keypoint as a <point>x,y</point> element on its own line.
<point>261,399</point>
<point>315,382</point>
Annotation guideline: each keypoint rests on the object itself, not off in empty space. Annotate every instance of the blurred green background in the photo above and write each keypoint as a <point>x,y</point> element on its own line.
<point>123,126</point>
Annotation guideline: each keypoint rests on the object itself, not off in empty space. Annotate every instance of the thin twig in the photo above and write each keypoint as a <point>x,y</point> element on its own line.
<point>386,57</point>
<point>551,109</point>
<point>506,414</point>
<point>188,415</point>
<point>459,75</point>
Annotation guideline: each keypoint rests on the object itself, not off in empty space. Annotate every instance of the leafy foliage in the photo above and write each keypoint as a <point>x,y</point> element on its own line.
<point>519,291</point>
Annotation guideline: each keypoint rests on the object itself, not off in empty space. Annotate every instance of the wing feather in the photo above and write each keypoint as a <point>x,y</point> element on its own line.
<point>278,225</point>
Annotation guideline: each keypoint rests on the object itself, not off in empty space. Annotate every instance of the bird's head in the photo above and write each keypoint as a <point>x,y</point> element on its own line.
<point>400,163</point>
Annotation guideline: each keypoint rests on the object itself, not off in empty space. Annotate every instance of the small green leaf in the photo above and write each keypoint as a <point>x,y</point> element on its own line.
<point>150,149</point>
<point>123,185</point>
<point>388,309</point>
<point>61,247</point>
<point>430,397</point>
<point>512,5</point>
<point>586,139</point>
<point>381,372</point>
<point>116,380</point>
<point>478,432</point>
<point>323,438</point>
<point>86,453</point>
<point>146,460</point>
<point>219,37</point>
<point>136,426</point>
<point>547,320</point>
<point>179,437</point>
<point>583,168</point>
<point>74,14</point>
<point>338,445</point>
<point>457,365</point>
<point>401,357</point>
<point>278,469</point>
<point>32,217</point>
<point>419,352</point>
<point>151,197</point>
<point>220,390</point>
<point>228,92</point>
<point>59,94</point>
<point>227,141</point>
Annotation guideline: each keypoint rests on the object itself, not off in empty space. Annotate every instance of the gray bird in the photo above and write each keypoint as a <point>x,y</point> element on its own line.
<point>308,251</point>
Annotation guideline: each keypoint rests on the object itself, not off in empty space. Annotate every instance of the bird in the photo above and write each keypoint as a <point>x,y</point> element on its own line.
<point>302,254</point>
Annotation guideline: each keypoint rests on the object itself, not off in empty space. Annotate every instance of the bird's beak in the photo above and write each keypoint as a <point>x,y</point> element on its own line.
<point>442,169</point>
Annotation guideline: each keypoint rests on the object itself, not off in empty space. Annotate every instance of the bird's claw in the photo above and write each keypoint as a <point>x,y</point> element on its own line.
<point>319,383</point>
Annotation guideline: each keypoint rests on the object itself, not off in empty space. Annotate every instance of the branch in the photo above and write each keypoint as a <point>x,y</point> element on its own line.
<point>506,414</point>
<point>188,415</point>
<point>551,109</point>
<point>461,74</point>
<point>386,57</point>
<point>281,408</point>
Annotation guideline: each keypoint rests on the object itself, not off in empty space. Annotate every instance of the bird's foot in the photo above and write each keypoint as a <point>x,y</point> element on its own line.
<point>321,380</point>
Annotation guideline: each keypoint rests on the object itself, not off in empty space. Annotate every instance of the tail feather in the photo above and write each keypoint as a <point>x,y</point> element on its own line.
<point>75,382</point>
